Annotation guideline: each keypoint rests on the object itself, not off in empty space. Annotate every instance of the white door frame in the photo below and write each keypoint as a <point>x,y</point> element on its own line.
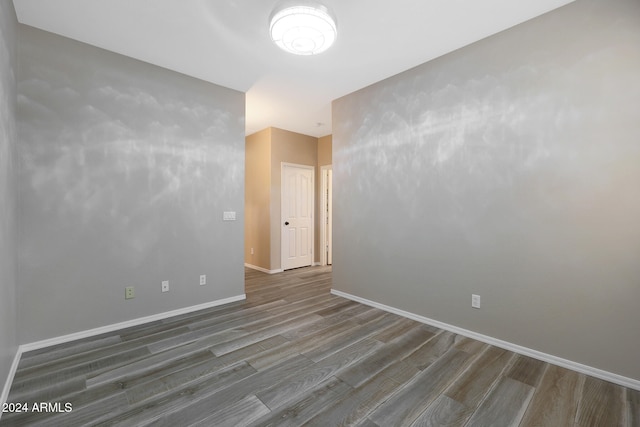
<point>282,201</point>
<point>324,202</point>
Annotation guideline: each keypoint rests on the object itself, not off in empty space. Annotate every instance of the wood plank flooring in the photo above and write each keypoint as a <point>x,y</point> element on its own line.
<point>292,354</point>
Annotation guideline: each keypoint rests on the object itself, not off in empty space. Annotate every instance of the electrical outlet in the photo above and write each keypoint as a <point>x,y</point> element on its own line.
<point>129,292</point>
<point>475,301</point>
<point>203,279</point>
<point>165,286</point>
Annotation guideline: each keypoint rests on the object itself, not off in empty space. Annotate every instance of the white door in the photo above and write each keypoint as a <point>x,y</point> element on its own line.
<point>297,216</point>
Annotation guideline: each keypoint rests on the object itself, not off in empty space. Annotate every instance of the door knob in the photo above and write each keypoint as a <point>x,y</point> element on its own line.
<point>286,223</point>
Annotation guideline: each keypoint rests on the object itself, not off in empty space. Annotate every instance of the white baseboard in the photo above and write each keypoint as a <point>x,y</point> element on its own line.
<point>127,324</point>
<point>264,270</point>
<point>554,360</point>
<point>7,385</point>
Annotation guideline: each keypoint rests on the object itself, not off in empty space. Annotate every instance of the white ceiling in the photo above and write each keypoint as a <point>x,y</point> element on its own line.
<point>227,42</point>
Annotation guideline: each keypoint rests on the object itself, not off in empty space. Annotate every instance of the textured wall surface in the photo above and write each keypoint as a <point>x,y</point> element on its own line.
<point>324,151</point>
<point>125,172</point>
<point>510,169</point>
<point>8,239</point>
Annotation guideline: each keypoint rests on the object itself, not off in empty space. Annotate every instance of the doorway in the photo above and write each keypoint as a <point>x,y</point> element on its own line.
<point>326,215</point>
<point>297,220</point>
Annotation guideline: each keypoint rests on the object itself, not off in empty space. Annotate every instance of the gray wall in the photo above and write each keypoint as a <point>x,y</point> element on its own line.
<point>8,201</point>
<point>126,169</point>
<point>511,169</point>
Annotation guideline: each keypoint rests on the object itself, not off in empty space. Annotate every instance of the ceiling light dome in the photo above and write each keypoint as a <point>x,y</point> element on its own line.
<point>303,28</point>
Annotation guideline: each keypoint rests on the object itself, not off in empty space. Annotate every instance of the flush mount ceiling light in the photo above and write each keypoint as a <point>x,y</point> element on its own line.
<point>303,28</point>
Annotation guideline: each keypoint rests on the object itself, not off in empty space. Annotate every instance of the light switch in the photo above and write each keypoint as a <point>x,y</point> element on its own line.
<point>475,301</point>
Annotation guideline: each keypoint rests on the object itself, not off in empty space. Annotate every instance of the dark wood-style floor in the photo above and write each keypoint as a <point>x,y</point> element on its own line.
<point>293,354</point>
